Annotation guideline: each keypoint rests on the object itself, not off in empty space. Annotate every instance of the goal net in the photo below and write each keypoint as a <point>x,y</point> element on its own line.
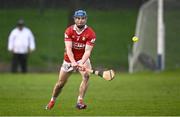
<point>145,53</point>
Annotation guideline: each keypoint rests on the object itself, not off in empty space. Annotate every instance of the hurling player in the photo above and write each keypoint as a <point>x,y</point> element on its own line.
<point>79,41</point>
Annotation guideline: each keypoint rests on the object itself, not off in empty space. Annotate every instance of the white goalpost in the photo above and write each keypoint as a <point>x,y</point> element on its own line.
<point>160,37</point>
<point>149,51</point>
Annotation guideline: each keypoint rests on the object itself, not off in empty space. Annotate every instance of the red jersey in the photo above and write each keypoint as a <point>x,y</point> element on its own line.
<point>79,40</point>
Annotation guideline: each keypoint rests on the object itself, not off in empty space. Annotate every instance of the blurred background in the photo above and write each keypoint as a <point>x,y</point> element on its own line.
<point>114,22</point>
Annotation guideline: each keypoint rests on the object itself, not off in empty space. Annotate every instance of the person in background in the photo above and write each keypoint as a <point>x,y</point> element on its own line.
<point>21,42</point>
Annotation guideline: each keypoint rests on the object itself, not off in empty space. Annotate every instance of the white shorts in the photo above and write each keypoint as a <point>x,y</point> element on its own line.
<point>68,68</point>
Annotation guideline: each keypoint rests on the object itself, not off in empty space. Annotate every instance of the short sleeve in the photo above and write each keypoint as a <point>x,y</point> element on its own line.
<point>91,38</point>
<point>67,34</point>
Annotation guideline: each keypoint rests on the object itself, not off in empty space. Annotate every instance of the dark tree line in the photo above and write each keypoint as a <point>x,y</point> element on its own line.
<point>71,5</point>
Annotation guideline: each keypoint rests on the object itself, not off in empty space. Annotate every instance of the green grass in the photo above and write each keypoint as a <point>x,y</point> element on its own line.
<point>155,94</point>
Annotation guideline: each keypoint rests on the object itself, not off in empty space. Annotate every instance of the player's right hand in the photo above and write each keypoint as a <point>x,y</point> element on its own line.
<point>74,65</point>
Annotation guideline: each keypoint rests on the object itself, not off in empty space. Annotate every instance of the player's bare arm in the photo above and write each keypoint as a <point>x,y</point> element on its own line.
<point>68,45</point>
<point>85,57</point>
<point>87,53</point>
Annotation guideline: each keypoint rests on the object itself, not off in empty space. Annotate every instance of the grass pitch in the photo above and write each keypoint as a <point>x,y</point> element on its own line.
<point>128,94</point>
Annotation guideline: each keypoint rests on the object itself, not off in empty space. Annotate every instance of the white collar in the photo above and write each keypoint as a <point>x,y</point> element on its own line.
<point>75,26</point>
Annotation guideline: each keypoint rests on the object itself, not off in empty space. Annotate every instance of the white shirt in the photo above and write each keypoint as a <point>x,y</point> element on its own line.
<point>21,41</point>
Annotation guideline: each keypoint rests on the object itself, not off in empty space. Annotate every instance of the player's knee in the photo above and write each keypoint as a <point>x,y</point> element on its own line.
<point>60,84</point>
<point>86,77</point>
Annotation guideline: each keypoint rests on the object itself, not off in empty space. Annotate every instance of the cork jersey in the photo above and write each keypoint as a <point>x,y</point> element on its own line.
<point>79,41</point>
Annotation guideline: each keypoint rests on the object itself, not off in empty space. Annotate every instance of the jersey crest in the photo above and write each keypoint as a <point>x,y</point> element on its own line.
<point>83,38</point>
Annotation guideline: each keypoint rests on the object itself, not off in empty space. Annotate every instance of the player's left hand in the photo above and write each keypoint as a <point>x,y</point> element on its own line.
<point>81,67</point>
